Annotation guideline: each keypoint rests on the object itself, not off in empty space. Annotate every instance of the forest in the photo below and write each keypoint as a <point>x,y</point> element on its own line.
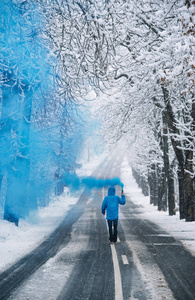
<point>71,71</point>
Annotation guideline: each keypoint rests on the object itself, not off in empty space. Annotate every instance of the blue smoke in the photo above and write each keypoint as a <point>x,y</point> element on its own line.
<point>75,182</point>
<point>40,141</point>
<point>23,65</point>
<point>92,182</point>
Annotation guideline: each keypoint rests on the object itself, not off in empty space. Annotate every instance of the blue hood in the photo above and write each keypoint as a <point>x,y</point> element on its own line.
<point>111,191</point>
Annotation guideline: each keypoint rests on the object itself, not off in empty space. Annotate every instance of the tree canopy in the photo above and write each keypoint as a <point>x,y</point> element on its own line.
<point>137,57</point>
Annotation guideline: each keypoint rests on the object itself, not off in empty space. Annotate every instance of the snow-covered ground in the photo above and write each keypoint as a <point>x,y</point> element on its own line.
<point>17,241</point>
<point>179,229</point>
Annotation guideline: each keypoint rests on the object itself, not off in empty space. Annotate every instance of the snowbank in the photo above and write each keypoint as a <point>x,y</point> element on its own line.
<point>15,242</point>
<point>179,229</point>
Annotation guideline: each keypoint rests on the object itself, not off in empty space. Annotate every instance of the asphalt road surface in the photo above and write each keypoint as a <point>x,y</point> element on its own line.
<point>77,261</point>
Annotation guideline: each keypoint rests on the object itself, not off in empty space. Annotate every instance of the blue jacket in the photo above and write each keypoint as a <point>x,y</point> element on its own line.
<point>111,204</point>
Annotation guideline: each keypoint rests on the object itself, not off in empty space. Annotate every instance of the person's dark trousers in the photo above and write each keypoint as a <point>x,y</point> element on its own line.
<point>112,224</point>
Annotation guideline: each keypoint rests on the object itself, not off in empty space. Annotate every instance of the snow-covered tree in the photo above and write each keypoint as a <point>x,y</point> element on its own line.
<point>38,133</point>
<point>22,68</point>
<point>154,62</point>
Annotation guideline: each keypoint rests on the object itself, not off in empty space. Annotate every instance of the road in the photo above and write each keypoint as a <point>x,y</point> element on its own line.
<point>77,261</point>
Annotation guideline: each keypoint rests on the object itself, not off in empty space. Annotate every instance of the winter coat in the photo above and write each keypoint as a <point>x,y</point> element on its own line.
<point>111,203</point>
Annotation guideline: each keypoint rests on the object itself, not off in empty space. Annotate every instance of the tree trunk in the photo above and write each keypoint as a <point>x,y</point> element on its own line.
<point>141,181</point>
<point>1,179</point>
<point>171,122</point>
<point>18,170</point>
<point>180,174</point>
<point>171,193</point>
<point>169,178</point>
<point>144,186</point>
<point>9,107</point>
<point>188,187</point>
<point>153,184</point>
<point>162,191</point>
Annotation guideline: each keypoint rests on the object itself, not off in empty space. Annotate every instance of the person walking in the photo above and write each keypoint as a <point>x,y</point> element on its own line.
<point>110,205</point>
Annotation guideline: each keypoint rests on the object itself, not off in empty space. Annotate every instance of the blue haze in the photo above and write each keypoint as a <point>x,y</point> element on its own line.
<point>75,182</point>
<point>41,136</point>
<point>23,66</point>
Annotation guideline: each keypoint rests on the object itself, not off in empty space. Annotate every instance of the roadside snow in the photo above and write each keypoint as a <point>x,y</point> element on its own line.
<point>179,229</point>
<point>15,242</point>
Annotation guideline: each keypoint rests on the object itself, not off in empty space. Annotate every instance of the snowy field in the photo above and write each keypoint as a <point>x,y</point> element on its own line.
<point>15,242</point>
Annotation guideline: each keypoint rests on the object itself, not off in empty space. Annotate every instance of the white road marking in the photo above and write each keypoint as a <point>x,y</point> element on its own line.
<point>160,234</point>
<point>117,275</point>
<point>166,244</point>
<point>118,240</point>
<point>124,259</point>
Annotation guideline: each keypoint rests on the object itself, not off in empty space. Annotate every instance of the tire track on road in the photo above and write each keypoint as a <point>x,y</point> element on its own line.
<point>14,276</point>
<point>162,254</point>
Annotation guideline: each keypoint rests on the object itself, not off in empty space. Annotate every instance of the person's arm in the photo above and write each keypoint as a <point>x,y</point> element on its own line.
<point>104,206</point>
<point>122,199</point>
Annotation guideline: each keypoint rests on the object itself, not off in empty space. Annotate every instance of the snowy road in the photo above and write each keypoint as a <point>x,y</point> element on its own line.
<point>77,261</point>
